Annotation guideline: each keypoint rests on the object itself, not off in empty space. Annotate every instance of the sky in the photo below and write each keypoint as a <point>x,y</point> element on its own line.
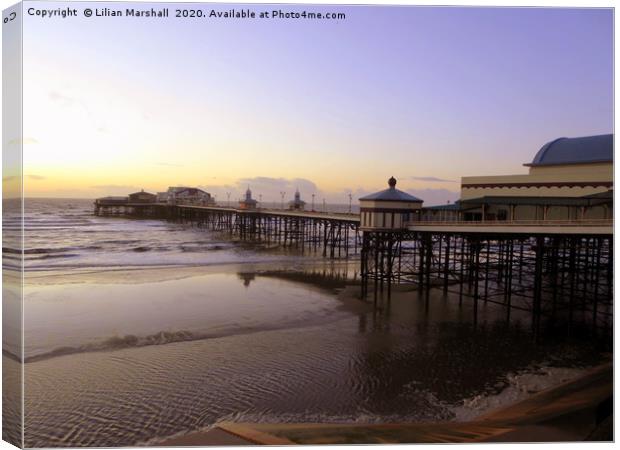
<point>426,94</point>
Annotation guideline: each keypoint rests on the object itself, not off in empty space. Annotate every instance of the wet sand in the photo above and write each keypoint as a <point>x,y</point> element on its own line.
<point>280,344</point>
<point>577,410</point>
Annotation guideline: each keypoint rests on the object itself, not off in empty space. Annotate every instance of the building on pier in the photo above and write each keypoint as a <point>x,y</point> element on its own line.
<point>390,209</point>
<point>450,212</point>
<point>297,204</point>
<point>248,202</point>
<point>112,200</point>
<point>142,197</point>
<point>183,195</point>
<point>568,179</point>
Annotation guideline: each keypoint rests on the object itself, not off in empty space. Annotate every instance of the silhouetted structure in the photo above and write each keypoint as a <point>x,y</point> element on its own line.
<point>248,202</point>
<point>297,204</point>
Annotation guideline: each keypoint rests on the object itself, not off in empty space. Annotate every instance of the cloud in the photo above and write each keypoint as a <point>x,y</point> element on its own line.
<point>32,177</point>
<point>432,179</point>
<point>271,189</point>
<point>434,197</point>
<point>268,189</point>
<point>278,185</point>
<point>112,186</point>
<point>118,189</point>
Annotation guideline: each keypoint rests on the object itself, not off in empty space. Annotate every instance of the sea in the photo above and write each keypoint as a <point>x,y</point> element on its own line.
<point>139,330</point>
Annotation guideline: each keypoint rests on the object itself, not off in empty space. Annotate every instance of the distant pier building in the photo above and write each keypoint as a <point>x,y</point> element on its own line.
<point>297,204</point>
<point>142,197</point>
<point>183,195</point>
<point>390,209</point>
<point>248,202</point>
<point>112,200</point>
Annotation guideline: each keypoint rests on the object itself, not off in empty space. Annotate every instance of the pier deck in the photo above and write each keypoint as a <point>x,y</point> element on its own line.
<point>352,218</point>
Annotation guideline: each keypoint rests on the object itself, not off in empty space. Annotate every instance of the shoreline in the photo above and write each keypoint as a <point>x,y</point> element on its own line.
<point>406,311</point>
<point>303,276</point>
<point>575,410</point>
<point>136,274</point>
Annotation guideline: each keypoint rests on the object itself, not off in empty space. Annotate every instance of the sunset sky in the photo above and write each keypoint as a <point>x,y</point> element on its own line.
<point>427,94</point>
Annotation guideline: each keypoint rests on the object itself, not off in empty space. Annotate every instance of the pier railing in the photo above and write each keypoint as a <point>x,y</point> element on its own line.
<point>512,223</point>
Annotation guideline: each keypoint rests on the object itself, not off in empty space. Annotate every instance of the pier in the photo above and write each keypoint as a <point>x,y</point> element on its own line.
<point>540,242</point>
<point>558,271</point>
<point>562,273</point>
<point>332,235</point>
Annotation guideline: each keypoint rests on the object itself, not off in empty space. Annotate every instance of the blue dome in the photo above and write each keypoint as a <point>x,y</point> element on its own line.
<point>589,149</point>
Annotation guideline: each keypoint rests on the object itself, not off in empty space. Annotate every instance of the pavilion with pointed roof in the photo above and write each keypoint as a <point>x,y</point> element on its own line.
<point>390,209</point>
<point>297,204</point>
<point>248,202</point>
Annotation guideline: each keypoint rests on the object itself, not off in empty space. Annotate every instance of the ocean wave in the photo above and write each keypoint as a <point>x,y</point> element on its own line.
<point>104,267</point>
<point>133,341</point>
<point>38,224</point>
<point>141,249</point>
<point>52,256</point>
<point>36,251</point>
<point>202,248</point>
<point>120,241</point>
<point>48,250</point>
<point>516,387</point>
<point>164,337</point>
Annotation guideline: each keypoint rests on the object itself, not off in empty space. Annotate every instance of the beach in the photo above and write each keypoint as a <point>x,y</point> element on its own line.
<point>168,342</point>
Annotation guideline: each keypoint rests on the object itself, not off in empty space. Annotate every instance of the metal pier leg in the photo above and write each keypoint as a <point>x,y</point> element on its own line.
<point>461,269</point>
<point>596,277</point>
<point>537,310</point>
<point>376,268</point>
<point>572,274</point>
<point>486,270</point>
<point>389,267</point>
<point>421,265</point>
<point>446,265</point>
<point>476,274</point>
<point>429,261</point>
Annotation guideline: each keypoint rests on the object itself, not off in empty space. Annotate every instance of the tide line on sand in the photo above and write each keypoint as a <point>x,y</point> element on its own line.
<point>573,411</point>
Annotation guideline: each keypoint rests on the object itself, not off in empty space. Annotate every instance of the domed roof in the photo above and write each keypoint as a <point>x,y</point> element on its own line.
<point>582,150</point>
<point>392,194</point>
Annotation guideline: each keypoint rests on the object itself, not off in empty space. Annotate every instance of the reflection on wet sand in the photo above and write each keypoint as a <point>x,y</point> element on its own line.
<point>259,344</point>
